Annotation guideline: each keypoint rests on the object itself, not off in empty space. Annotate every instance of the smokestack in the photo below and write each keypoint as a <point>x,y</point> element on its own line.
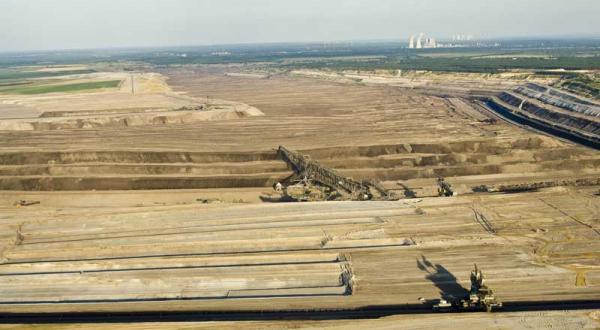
<point>411,44</point>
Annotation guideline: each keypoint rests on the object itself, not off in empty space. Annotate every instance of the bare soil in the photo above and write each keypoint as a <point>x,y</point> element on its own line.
<point>116,230</point>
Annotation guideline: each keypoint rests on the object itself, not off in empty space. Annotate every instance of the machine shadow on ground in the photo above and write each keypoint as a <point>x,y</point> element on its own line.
<point>443,279</point>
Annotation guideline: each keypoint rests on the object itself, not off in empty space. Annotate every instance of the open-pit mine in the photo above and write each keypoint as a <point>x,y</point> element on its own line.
<point>163,193</point>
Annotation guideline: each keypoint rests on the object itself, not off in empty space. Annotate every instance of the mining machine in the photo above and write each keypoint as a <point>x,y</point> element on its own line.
<point>444,188</point>
<point>314,182</point>
<point>480,296</point>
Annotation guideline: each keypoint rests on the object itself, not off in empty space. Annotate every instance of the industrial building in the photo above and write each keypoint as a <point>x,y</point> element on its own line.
<point>422,41</point>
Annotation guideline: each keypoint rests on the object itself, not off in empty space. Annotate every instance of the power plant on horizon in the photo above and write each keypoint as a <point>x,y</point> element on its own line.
<point>459,40</point>
<point>422,42</point>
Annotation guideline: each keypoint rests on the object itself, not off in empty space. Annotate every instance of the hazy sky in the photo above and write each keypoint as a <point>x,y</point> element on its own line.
<point>60,24</point>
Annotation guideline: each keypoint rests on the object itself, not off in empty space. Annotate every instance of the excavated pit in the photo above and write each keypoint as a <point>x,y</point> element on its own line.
<point>140,170</point>
<point>568,122</point>
<point>544,122</point>
<point>177,250</point>
<point>551,111</point>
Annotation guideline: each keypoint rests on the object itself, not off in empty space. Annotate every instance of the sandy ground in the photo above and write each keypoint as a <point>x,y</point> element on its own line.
<point>542,247</point>
<point>300,113</point>
<point>117,224</point>
<point>449,82</point>
<point>377,132</point>
<point>140,99</point>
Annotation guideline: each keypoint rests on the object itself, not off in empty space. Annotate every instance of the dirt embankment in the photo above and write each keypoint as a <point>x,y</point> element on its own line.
<point>141,99</point>
<point>122,170</point>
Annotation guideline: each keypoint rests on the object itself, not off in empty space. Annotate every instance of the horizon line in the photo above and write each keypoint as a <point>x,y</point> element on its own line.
<point>340,41</point>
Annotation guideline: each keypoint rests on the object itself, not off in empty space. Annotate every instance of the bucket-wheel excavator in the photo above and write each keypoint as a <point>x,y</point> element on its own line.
<point>314,182</point>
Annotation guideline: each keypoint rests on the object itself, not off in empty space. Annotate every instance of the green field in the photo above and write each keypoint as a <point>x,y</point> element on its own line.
<point>10,74</point>
<point>44,89</point>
